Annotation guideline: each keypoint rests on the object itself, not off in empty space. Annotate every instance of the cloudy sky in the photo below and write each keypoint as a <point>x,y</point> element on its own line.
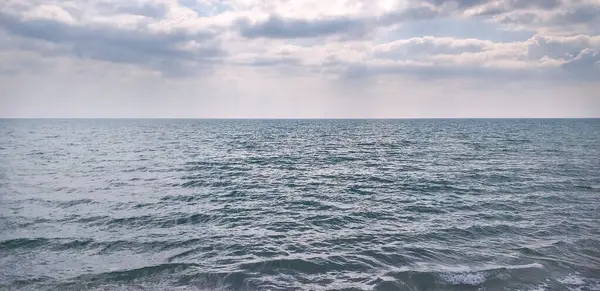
<point>300,58</point>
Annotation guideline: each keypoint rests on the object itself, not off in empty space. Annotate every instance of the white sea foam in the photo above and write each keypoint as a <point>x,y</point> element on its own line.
<point>526,266</point>
<point>542,287</point>
<point>425,267</point>
<point>464,278</point>
<point>572,280</point>
<point>468,276</point>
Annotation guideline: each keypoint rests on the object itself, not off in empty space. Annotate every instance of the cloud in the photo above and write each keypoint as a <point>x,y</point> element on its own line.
<point>183,38</point>
<point>348,27</point>
<point>176,52</point>
<point>576,15</point>
<point>496,5</point>
<point>560,47</point>
<point>430,72</point>
<point>278,27</point>
<point>573,18</point>
<point>408,14</point>
<point>540,57</point>
<point>457,3</point>
<point>419,47</point>
<point>155,10</point>
<point>267,58</point>
<point>49,12</point>
<point>525,4</point>
<point>587,59</point>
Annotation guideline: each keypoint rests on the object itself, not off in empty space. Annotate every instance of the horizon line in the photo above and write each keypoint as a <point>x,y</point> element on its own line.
<point>283,118</point>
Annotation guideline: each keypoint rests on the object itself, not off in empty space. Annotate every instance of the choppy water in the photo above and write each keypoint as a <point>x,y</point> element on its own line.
<point>300,205</point>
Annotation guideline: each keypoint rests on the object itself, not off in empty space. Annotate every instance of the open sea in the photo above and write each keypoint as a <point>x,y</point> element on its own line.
<point>300,204</point>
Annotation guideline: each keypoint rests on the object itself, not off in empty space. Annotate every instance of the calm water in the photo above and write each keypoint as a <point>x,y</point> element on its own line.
<point>300,205</point>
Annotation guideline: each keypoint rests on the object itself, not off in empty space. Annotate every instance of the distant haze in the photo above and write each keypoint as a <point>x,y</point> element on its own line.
<point>300,59</point>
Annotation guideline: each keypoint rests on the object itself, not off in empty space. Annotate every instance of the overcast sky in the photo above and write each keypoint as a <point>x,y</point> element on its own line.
<point>300,58</point>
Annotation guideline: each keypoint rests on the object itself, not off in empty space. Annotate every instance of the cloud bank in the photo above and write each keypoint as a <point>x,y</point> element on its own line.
<point>330,40</point>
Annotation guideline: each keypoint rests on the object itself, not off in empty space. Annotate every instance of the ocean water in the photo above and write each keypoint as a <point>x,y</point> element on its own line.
<point>300,204</point>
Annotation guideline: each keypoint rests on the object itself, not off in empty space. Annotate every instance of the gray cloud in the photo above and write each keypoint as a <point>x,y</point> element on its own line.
<point>577,15</point>
<point>585,66</point>
<point>510,4</point>
<point>562,48</point>
<point>495,7</point>
<point>274,61</point>
<point>571,15</point>
<point>410,14</point>
<point>457,3</point>
<point>559,16</point>
<point>543,4</point>
<point>158,51</point>
<point>279,27</point>
<point>524,12</point>
<point>587,58</point>
<point>345,26</point>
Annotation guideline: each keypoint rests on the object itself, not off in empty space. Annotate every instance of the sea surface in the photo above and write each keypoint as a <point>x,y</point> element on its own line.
<point>300,204</point>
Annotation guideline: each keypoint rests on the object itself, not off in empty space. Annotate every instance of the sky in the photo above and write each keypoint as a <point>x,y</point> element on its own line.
<point>299,58</point>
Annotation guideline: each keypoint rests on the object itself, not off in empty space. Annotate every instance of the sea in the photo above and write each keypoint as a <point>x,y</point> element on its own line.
<point>193,204</point>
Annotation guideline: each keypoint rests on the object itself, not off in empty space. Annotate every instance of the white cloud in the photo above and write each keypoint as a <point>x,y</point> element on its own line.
<point>561,47</point>
<point>49,12</point>
<point>419,47</point>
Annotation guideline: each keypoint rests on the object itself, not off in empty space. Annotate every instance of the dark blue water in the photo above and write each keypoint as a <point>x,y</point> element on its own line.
<point>300,205</point>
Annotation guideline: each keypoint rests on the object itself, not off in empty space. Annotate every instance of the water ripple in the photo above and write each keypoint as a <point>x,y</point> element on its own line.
<point>299,205</point>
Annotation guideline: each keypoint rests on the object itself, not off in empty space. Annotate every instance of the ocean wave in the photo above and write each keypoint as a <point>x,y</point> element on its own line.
<point>174,219</point>
<point>315,265</point>
<point>170,276</point>
<point>23,243</point>
<point>464,278</point>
